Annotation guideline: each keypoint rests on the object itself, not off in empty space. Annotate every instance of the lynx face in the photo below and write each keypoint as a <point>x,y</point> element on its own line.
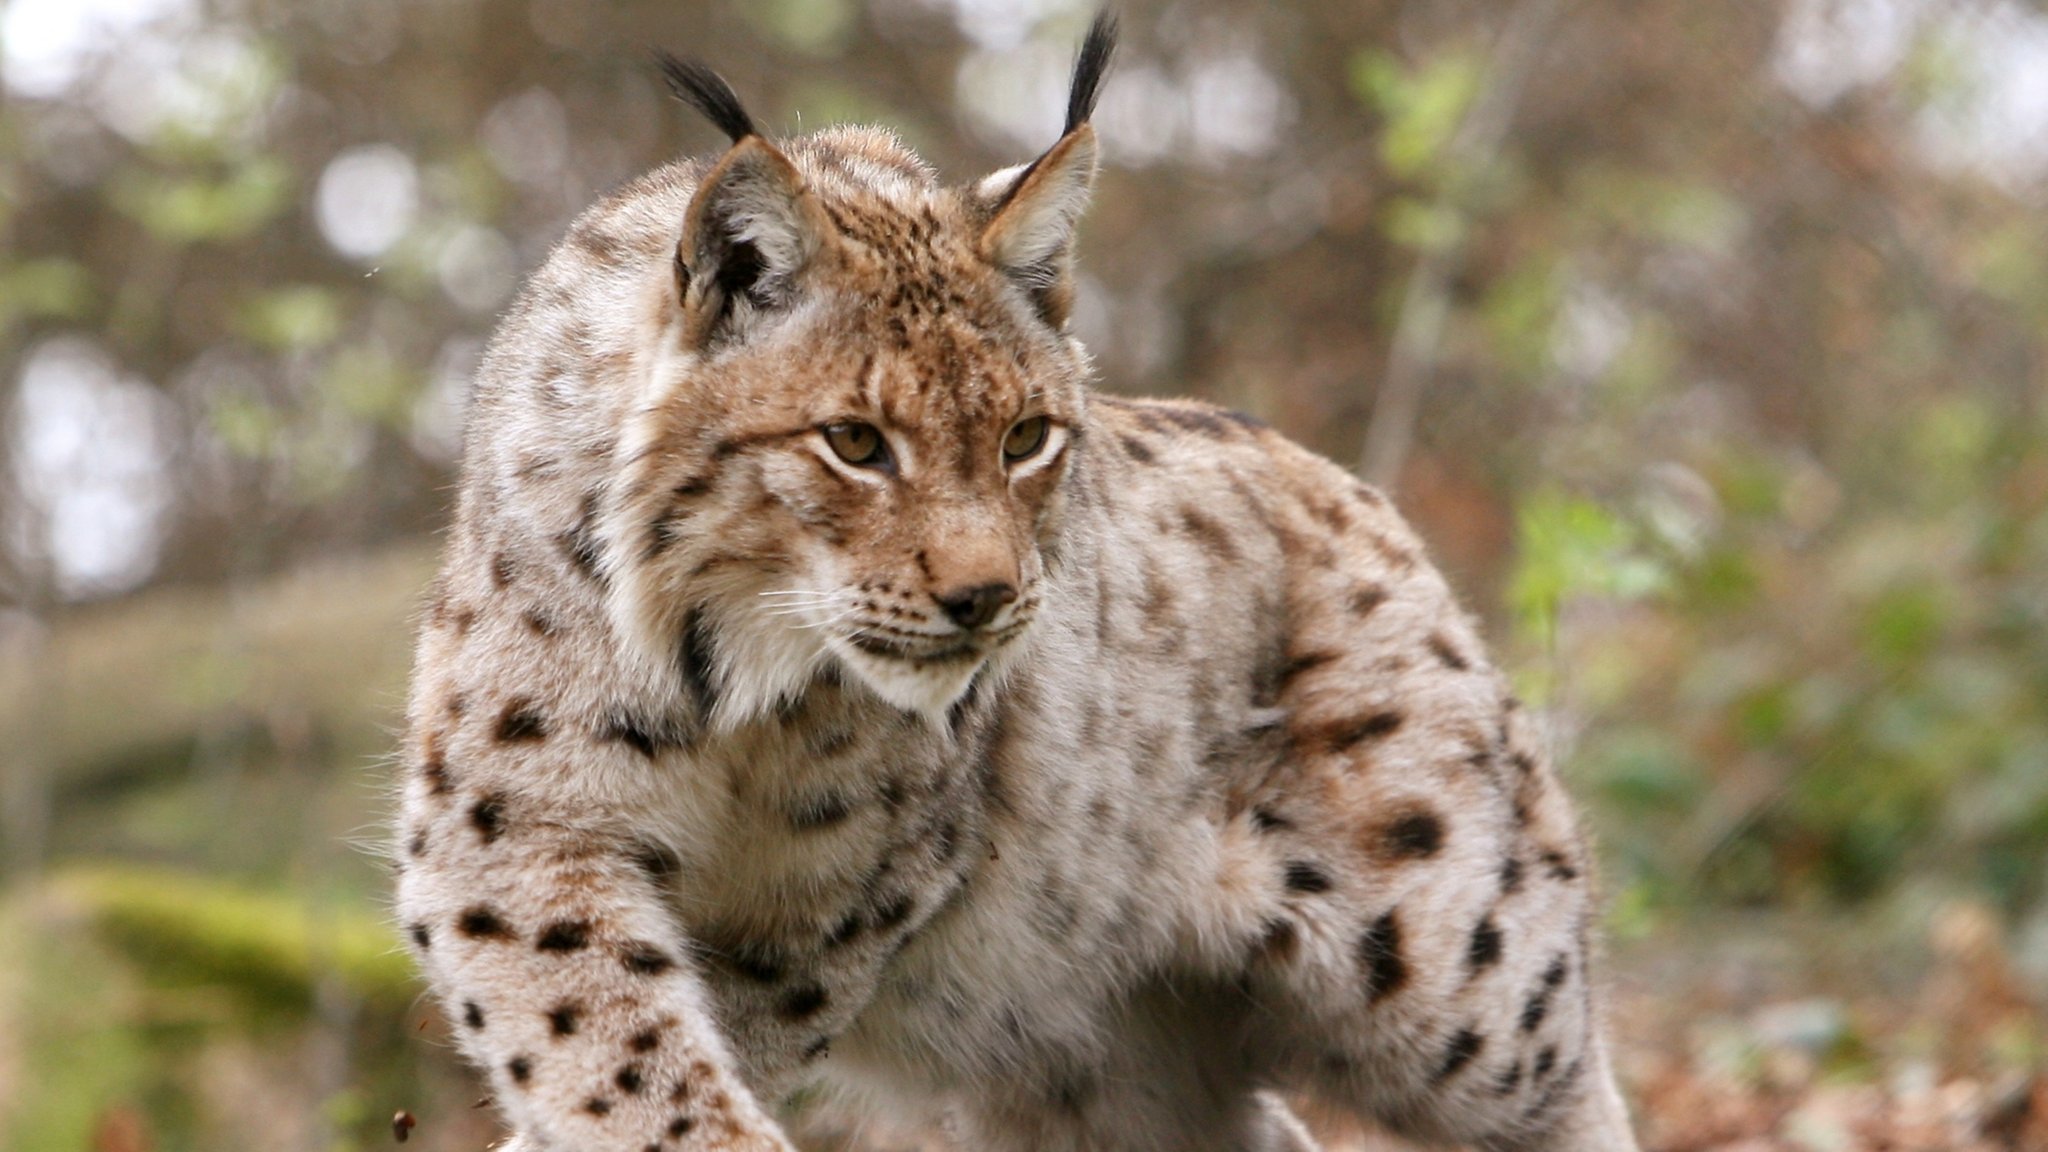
<point>859,418</point>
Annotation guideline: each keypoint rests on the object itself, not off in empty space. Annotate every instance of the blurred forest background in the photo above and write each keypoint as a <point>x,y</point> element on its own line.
<point>1704,342</point>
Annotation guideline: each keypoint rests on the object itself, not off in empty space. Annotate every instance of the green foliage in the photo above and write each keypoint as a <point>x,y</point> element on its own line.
<point>267,950</point>
<point>160,995</point>
<point>188,207</point>
<point>293,317</point>
<point>68,1007</point>
<point>814,27</point>
<point>53,288</point>
<point>1422,105</point>
<point>1570,547</point>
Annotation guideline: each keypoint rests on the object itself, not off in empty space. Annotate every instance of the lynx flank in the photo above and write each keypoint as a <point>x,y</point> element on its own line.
<point>824,687</point>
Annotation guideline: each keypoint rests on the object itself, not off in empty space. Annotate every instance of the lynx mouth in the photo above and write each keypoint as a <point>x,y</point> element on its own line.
<point>922,672</point>
<point>954,652</point>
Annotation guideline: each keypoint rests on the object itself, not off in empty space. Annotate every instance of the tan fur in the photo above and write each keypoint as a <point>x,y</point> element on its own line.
<point>708,799</point>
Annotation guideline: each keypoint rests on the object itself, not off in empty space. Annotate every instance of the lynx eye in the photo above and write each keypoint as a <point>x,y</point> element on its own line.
<point>859,444</point>
<point>1025,438</point>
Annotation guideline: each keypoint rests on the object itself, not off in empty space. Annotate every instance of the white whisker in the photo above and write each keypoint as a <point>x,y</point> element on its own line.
<point>805,610</point>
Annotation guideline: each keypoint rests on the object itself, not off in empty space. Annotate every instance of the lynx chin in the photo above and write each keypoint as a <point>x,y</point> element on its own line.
<point>824,688</point>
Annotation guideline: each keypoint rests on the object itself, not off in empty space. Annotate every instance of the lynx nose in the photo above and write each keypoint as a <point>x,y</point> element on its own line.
<point>970,608</point>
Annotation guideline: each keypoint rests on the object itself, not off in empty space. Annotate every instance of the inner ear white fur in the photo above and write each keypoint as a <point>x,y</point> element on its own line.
<point>1035,226</point>
<point>995,186</point>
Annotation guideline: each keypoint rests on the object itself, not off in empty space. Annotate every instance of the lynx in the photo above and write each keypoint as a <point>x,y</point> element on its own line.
<point>824,688</point>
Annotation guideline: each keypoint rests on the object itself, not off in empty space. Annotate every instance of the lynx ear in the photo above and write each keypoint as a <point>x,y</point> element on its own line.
<point>1031,237</point>
<point>749,232</point>
<point>1035,209</point>
<point>752,224</point>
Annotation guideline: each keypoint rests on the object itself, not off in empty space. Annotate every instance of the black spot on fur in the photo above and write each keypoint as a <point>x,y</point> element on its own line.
<point>1417,835</point>
<point>434,768</point>
<point>417,846</point>
<point>1538,1005</point>
<point>646,734</point>
<point>1450,657</point>
<point>501,570</point>
<point>817,1048</point>
<point>1136,449</point>
<point>646,959</point>
<point>539,623</point>
<point>645,1040</point>
<point>482,922</point>
<point>1545,1061</point>
<point>629,1080</point>
<point>521,1068</point>
<point>422,938</point>
<point>1379,955</point>
<point>1206,531</point>
<point>1299,664</point>
<point>1465,1045</point>
<point>833,741</point>
<point>756,962</point>
<point>849,926</point>
<point>488,814</point>
<point>1555,1093</point>
<point>680,1126</point>
<point>802,1002</point>
<point>1397,555</point>
<point>1279,941</point>
<point>1374,727</point>
<point>625,729</point>
<point>1201,421</point>
<point>562,1019</point>
<point>1509,1080</point>
<point>1366,599</point>
<point>564,936</point>
<point>580,544</point>
<point>662,534</point>
<point>694,657</point>
<point>1510,876</point>
<point>472,1014</point>
<point>521,722</point>
<point>822,811</point>
<point>1266,820</point>
<point>1303,876</point>
<point>597,1106</point>
<point>657,862</point>
<point>1559,867</point>
<point>1485,949</point>
<point>895,912</point>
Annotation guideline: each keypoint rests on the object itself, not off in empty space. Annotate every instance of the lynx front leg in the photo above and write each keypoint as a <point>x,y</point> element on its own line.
<point>1428,962</point>
<point>568,983</point>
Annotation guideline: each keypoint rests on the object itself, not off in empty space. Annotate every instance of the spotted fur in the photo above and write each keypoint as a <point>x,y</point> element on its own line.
<point>1082,795</point>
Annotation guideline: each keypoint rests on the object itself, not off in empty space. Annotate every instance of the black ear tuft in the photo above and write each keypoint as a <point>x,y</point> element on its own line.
<point>1089,69</point>
<point>697,85</point>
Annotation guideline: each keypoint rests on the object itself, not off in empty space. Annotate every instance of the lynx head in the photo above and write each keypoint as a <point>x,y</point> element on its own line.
<point>858,414</point>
